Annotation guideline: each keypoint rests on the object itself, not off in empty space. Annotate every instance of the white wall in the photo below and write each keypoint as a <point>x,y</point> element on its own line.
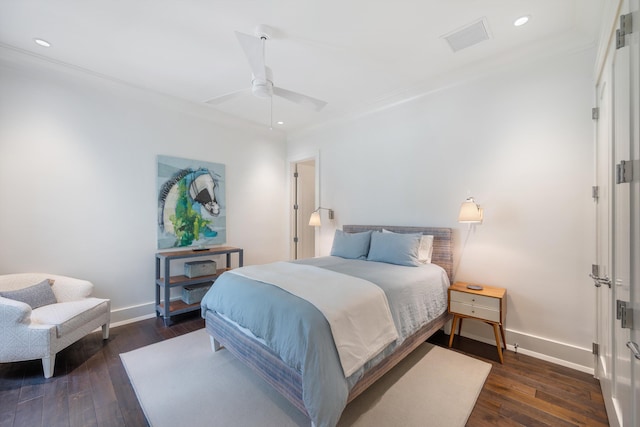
<point>78,180</point>
<point>78,196</point>
<point>521,142</point>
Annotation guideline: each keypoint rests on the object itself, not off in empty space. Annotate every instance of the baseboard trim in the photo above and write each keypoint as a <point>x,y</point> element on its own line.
<point>132,320</point>
<point>551,359</point>
<point>134,313</point>
<point>563,354</point>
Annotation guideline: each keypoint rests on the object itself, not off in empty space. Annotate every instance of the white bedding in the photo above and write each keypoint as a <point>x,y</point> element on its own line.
<point>360,318</point>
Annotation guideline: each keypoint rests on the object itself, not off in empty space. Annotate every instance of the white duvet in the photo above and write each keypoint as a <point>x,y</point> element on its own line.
<point>360,318</point>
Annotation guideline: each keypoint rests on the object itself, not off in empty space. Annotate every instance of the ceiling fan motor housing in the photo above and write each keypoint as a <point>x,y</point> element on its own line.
<point>263,31</point>
<point>263,88</point>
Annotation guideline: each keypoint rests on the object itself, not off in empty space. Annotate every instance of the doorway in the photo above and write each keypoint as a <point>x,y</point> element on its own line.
<point>303,199</point>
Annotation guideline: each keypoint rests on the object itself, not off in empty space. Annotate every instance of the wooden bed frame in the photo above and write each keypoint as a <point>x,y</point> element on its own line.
<point>286,380</point>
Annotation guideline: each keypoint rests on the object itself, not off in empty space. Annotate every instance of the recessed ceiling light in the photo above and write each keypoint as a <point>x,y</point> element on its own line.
<point>280,122</point>
<point>521,21</point>
<point>42,43</point>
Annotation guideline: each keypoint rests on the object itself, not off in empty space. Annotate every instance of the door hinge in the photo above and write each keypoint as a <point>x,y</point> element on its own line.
<point>624,313</point>
<point>624,172</point>
<point>295,174</point>
<point>625,29</point>
<point>295,240</point>
<point>295,207</point>
<point>595,193</point>
<point>595,348</point>
<point>595,113</point>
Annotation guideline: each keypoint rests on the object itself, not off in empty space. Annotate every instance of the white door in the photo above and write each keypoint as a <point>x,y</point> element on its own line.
<point>621,232</point>
<point>634,344</point>
<point>633,194</point>
<point>604,298</point>
<point>626,259</point>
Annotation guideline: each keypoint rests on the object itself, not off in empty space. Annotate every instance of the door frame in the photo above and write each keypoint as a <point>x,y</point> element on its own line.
<point>604,327</point>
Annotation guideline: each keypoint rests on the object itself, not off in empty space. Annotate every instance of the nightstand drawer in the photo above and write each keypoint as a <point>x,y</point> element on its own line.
<point>477,300</point>
<point>475,311</point>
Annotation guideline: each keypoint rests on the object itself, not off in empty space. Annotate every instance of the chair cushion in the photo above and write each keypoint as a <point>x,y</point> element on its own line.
<point>69,316</point>
<point>36,296</point>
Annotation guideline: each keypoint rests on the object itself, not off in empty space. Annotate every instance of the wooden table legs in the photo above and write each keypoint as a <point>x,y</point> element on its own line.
<point>498,331</point>
<point>453,329</point>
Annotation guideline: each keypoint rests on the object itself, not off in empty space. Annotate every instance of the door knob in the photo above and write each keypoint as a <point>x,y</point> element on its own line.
<point>599,281</point>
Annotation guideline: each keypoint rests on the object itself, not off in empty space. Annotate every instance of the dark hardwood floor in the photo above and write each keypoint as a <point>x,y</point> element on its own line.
<point>90,386</point>
<point>525,391</point>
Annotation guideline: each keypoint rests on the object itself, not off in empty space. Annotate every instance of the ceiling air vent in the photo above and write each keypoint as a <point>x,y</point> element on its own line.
<point>469,35</point>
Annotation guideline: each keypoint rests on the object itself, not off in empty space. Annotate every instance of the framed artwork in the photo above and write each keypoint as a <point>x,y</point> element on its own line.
<point>191,203</point>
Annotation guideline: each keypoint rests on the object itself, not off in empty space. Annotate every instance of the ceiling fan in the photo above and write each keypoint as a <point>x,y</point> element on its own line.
<point>262,77</point>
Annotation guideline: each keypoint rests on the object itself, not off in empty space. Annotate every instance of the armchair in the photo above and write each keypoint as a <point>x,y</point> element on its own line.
<point>40,333</point>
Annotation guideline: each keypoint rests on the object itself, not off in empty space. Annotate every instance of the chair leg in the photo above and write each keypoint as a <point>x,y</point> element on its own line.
<point>48,363</point>
<point>105,331</point>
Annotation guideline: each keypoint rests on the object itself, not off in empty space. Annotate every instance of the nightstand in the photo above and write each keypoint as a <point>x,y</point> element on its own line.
<point>488,305</point>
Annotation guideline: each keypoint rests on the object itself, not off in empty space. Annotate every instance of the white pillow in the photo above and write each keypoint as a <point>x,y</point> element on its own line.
<point>425,251</point>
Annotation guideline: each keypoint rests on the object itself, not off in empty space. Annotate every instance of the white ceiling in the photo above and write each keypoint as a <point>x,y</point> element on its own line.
<point>357,55</point>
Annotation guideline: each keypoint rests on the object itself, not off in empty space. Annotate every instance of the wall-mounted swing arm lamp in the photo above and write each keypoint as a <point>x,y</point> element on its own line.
<point>314,220</point>
<point>470,212</point>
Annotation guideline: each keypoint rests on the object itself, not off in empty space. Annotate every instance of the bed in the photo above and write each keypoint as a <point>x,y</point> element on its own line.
<point>303,367</point>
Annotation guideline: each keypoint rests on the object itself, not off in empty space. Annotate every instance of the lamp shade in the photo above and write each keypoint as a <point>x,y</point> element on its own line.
<point>314,220</point>
<point>470,212</point>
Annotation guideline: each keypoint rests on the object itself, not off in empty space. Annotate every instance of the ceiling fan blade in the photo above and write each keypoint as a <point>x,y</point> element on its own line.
<point>299,98</point>
<point>227,96</point>
<point>254,50</point>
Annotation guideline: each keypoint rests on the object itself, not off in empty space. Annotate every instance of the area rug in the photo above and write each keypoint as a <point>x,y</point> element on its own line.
<point>181,381</point>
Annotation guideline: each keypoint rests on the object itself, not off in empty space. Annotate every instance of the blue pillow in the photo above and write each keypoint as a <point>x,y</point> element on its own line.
<point>395,248</point>
<point>351,245</point>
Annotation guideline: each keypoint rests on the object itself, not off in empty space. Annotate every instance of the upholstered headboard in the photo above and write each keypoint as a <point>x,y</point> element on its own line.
<point>442,241</point>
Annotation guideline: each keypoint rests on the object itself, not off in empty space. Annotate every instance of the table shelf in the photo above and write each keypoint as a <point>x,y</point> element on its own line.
<point>166,308</point>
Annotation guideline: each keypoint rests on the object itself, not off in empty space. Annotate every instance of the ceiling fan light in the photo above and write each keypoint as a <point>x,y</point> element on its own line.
<point>42,42</point>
